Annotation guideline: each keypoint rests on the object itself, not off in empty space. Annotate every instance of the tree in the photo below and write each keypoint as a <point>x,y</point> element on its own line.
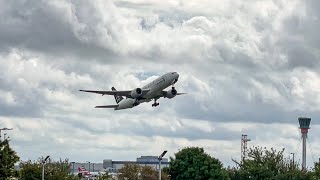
<point>129,171</point>
<point>53,170</point>
<point>194,163</point>
<point>105,176</point>
<point>267,164</point>
<point>30,170</point>
<point>8,157</point>
<point>137,172</point>
<point>317,170</point>
<point>58,170</point>
<point>148,173</point>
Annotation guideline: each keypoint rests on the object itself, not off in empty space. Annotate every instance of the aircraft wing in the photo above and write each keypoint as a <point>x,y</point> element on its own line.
<point>107,106</point>
<point>114,93</point>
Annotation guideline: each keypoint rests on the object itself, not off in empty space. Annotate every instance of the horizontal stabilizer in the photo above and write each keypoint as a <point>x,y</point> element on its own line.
<point>107,106</point>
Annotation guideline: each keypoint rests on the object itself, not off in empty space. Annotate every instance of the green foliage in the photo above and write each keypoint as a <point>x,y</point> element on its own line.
<point>317,170</point>
<point>30,170</point>
<point>105,176</point>
<point>53,170</point>
<point>166,170</point>
<point>194,163</point>
<point>136,172</point>
<point>129,171</point>
<point>8,157</point>
<point>148,173</point>
<point>267,164</point>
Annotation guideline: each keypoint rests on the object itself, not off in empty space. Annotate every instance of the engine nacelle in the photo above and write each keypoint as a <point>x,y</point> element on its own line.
<point>136,93</point>
<point>171,93</point>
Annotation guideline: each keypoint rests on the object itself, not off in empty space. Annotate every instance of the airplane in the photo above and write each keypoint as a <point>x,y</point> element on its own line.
<point>83,171</point>
<point>87,174</point>
<point>152,91</point>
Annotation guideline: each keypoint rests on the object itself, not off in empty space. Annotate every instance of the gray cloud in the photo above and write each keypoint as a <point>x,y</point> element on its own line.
<point>240,63</point>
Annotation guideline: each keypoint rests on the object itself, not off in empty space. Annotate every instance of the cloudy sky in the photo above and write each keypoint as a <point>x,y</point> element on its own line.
<point>248,66</point>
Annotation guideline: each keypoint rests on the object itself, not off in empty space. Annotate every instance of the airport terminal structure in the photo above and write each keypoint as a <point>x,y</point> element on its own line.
<point>108,165</point>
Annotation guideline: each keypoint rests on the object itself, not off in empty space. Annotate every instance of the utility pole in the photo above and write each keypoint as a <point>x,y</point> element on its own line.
<point>244,140</point>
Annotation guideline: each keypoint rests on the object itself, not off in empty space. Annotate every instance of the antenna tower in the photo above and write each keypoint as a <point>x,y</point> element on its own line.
<point>244,140</point>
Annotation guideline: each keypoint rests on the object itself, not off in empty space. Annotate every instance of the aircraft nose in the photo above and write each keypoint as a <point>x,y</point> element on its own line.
<point>176,77</point>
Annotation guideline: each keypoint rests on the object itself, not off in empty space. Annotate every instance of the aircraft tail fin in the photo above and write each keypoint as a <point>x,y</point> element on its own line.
<point>83,171</point>
<point>116,97</point>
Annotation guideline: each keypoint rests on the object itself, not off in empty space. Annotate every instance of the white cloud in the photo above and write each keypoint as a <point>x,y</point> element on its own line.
<point>248,67</point>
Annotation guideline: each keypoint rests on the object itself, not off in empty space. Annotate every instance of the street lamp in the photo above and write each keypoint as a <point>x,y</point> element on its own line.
<point>4,129</point>
<point>43,163</point>
<point>160,158</point>
<point>292,159</point>
<point>73,167</point>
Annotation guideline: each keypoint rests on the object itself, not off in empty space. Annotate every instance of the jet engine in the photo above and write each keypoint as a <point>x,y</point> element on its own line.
<point>171,93</point>
<point>136,93</point>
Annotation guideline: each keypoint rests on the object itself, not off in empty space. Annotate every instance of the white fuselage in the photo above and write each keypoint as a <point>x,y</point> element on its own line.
<point>155,89</point>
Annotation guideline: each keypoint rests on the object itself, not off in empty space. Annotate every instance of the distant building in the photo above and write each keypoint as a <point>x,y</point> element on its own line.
<point>113,166</point>
<point>92,167</point>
